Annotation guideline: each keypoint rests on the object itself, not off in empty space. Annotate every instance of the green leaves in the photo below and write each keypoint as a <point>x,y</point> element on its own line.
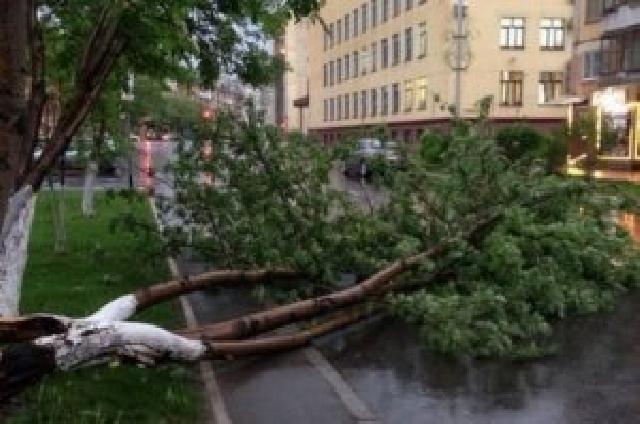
<point>255,196</point>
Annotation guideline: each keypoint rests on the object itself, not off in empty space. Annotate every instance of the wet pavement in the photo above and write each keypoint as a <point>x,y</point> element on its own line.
<point>593,379</point>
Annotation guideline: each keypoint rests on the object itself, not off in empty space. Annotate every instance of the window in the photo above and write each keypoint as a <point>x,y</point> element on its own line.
<point>331,35</point>
<point>326,110</point>
<point>611,56</point>
<point>355,105</point>
<point>395,98</point>
<point>422,1</point>
<point>339,102</point>
<point>512,33</point>
<point>331,73</point>
<point>346,106</point>
<point>631,50</point>
<point>364,59</point>
<point>396,50</point>
<point>421,93</point>
<point>552,34</point>
<point>407,136</point>
<point>384,100</point>
<point>364,17</point>
<point>408,95</point>
<point>396,8</point>
<point>374,13</point>
<point>339,27</point>
<point>610,6</point>
<point>591,65</point>
<point>363,104</point>
<point>594,10</point>
<point>374,102</point>
<point>347,30</point>
<point>356,64</point>
<point>385,11</point>
<point>347,71</point>
<point>331,109</point>
<point>384,53</point>
<point>549,86</point>
<point>339,69</point>
<point>326,39</point>
<point>422,40</point>
<point>409,4</point>
<point>511,88</point>
<point>356,22</point>
<point>326,74</point>
<point>374,56</point>
<point>408,44</point>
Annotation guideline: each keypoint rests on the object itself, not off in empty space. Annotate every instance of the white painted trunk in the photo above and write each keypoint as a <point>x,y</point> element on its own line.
<point>90,342</point>
<point>14,241</point>
<point>90,175</point>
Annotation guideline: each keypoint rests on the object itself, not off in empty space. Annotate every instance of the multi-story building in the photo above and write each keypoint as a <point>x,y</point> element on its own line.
<point>407,64</point>
<point>606,74</point>
<point>292,88</point>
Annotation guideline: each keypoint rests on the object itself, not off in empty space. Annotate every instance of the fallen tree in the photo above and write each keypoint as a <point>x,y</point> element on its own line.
<point>50,343</point>
<point>450,242</point>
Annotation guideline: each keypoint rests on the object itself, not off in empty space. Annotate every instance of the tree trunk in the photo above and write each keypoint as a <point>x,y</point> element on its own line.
<point>13,249</point>
<point>13,104</point>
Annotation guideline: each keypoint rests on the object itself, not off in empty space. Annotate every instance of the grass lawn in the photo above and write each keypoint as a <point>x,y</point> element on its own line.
<point>99,265</point>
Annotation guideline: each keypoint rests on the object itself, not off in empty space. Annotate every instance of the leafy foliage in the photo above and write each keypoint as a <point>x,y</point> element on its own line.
<point>258,197</point>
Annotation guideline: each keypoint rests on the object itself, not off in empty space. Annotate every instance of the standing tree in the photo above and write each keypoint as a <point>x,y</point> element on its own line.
<point>38,38</point>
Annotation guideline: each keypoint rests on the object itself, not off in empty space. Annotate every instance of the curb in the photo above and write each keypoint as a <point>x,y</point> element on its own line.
<point>218,410</point>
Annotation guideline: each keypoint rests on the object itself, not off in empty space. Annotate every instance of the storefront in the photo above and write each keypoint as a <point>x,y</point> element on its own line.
<point>616,130</point>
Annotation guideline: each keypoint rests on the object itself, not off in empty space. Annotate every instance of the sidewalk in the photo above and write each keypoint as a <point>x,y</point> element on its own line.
<point>293,387</point>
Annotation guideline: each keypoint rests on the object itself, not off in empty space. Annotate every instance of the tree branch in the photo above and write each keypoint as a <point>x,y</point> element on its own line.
<point>126,306</point>
<point>100,54</point>
<point>37,95</point>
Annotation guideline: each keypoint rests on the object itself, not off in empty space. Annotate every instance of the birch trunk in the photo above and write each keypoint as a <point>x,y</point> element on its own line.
<point>91,172</point>
<point>13,249</point>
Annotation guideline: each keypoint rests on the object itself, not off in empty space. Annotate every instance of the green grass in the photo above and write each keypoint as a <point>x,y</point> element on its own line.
<point>99,265</point>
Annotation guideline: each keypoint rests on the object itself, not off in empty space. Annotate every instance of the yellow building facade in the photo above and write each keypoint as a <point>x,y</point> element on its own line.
<point>402,63</point>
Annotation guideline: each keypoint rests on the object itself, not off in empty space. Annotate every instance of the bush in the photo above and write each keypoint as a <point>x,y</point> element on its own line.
<point>525,143</point>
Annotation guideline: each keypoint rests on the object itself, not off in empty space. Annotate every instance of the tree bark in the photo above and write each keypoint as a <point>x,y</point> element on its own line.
<point>13,104</point>
<point>13,249</point>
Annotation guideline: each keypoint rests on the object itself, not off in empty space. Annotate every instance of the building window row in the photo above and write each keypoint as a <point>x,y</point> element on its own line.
<point>369,15</point>
<point>552,33</point>
<point>550,87</point>
<point>378,55</point>
<point>373,102</point>
<point>386,100</point>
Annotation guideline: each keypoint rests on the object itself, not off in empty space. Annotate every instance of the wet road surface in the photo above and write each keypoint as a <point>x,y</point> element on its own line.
<point>593,379</point>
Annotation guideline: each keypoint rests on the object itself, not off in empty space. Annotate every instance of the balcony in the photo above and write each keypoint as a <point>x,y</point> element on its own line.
<point>620,14</point>
<point>620,55</point>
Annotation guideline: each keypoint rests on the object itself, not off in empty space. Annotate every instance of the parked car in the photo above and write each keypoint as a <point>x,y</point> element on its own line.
<point>360,162</point>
